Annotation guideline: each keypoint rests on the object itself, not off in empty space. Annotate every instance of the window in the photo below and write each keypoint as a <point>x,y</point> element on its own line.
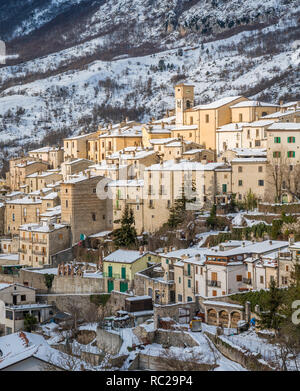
<point>239,277</point>
<point>291,154</point>
<point>60,236</point>
<point>260,169</point>
<point>167,261</point>
<point>93,216</point>
<point>276,154</point>
<point>240,169</point>
<point>179,297</point>
<point>189,298</point>
<point>257,143</point>
<point>261,279</point>
<point>286,268</point>
<point>23,297</point>
<point>207,118</point>
<point>190,135</point>
<point>240,182</point>
<point>277,140</point>
<point>189,283</point>
<point>66,190</point>
<point>25,212</point>
<point>189,269</point>
<point>291,140</point>
<point>9,315</point>
<point>257,132</point>
<point>261,182</point>
<point>94,190</point>
<point>224,188</point>
<point>13,217</point>
<point>240,117</point>
<point>179,280</point>
<point>67,203</point>
<point>191,120</point>
<point>214,293</point>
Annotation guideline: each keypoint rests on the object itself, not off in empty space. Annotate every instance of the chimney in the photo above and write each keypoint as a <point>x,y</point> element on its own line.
<point>162,125</point>
<point>197,257</point>
<point>110,126</point>
<point>165,250</point>
<point>141,250</point>
<point>126,120</point>
<point>291,239</point>
<point>270,241</point>
<point>243,244</point>
<point>88,172</point>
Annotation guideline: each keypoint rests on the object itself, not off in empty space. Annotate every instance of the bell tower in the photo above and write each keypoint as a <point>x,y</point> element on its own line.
<point>184,99</point>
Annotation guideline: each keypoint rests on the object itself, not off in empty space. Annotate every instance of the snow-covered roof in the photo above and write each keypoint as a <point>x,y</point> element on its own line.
<point>262,122</point>
<point>166,120</point>
<point>193,151</point>
<point>21,346</point>
<point>125,256</point>
<point>253,103</point>
<point>137,298</point>
<point>44,150</point>
<point>249,160</point>
<point>218,103</point>
<point>25,200</point>
<point>41,227</point>
<point>185,127</point>
<point>250,152</point>
<point>162,140</point>
<point>232,127</point>
<point>185,165</point>
<point>9,257</point>
<point>222,304</point>
<point>50,196</point>
<point>279,114</point>
<point>80,136</point>
<point>285,126</point>
<point>135,155</point>
<point>127,183</point>
<point>4,286</point>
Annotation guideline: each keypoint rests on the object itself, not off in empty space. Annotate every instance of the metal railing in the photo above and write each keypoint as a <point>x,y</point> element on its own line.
<point>22,250</point>
<point>214,283</point>
<point>116,276</point>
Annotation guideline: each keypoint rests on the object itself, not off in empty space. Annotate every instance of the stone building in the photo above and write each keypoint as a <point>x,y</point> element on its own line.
<point>38,242</point>
<point>82,208</point>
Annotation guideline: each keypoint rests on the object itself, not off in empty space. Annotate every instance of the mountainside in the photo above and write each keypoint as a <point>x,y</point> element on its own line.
<point>77,63</point>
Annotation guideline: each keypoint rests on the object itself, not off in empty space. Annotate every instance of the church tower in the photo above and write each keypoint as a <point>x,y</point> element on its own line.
<point>184,99</point>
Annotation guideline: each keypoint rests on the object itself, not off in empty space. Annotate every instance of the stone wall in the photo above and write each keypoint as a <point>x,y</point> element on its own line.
<point>172,311</point>
<point>62,256</point>
<point>279,208</point>
<point>109,341</point>
<point>156,363</point>
<point>246,359</point>
<point>116,301</point>
<point>63,302</point>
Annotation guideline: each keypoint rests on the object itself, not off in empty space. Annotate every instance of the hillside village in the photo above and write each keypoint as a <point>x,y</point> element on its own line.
<point>115,244</point>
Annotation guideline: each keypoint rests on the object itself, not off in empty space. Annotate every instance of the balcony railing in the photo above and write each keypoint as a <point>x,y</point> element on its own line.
<point>116,276</point>
<point>22,250</point>
<point>247,281</point>
<point>37,252</point>
<point>214,283</point>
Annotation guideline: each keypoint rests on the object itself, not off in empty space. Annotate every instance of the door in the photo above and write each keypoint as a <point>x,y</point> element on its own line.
<point>123,273</point>
<point>110,285</point>
<point>14,299</point>
<point>123,286</point>
<point>109,271</point>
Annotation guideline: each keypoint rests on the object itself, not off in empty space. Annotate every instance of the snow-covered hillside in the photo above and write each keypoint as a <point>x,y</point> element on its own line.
<point>75,88</point>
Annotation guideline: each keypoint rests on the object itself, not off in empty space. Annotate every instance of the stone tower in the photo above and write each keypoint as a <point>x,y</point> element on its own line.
<point>184,99</point>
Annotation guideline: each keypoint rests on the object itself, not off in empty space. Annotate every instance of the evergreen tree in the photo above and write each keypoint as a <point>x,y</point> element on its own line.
<point>177,212</point>
<point>270,317</point>
<point>126,236</point>
<point>29,322</point>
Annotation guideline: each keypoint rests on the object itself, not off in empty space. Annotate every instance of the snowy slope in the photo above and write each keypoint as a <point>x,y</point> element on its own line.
<point>77,88</point>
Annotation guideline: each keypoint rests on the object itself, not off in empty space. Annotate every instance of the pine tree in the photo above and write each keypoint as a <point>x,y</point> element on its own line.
<point>270,317</point>
<point>177,212</point>
<point>126,236</point>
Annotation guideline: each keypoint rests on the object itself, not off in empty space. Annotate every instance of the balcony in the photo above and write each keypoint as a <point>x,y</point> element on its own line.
<point>37,252</point>
<point>116,276</point>
<point>213,283</point>
<point>247,281</point>
<point>22,250</point>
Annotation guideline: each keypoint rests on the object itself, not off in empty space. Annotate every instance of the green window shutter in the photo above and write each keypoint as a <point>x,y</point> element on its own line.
<point>167,261</point>
<point>123,272</point>
<point>277,140</point>
<point>189,283</point>
<point>224,188</point>
<point>189,269</point>
<point>109,271</point>
<point>179,280</point>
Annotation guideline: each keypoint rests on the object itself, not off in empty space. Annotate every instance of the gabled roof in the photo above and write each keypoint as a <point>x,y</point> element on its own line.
<point>125,256</point>
<point>217,103</point>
